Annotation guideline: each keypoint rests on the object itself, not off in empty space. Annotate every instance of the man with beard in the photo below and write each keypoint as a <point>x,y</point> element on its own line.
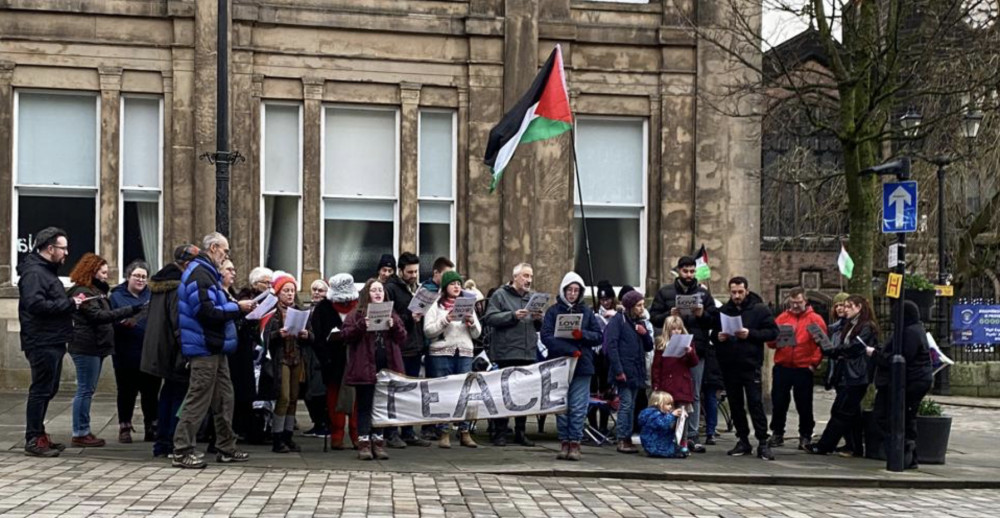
<point>699,321</point>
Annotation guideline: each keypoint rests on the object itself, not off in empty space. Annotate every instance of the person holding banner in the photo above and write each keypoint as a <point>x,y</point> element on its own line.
<point>570,329</point>
<point>672,366</point>
<point>626,341</point>
<point>287,363</point>
<point>451,329</point>
<point>369,351</point>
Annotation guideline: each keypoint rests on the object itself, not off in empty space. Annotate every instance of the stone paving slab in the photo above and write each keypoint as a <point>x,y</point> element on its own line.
<point>973,459</point>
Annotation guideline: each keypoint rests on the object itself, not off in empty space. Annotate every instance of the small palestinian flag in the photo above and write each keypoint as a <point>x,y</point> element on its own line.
<point>845,263</point>
<point>541,114</point>
<point>702,270</point>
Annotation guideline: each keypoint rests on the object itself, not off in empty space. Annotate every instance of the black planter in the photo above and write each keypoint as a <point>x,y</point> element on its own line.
<point>924,299</point>
<point>932,438</point>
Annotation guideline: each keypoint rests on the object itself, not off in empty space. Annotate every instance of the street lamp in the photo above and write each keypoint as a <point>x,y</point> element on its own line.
<point>910,122</point>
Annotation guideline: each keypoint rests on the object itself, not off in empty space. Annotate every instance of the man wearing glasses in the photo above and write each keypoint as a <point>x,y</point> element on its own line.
<point>46,317</point>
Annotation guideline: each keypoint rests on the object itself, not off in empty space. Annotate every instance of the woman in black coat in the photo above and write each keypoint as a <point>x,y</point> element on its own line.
<point>241,362</point>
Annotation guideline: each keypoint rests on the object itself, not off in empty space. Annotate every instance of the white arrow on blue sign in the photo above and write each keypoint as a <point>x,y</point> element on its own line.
<point>899,207</point>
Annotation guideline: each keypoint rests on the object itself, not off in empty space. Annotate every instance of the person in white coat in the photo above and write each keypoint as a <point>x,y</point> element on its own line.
<point>451,343</point>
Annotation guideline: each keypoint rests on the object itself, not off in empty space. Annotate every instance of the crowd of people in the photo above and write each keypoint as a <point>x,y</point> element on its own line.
<point>207,367</point>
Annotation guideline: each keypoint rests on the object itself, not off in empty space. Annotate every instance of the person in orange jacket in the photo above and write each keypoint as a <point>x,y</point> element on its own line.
<point>794,366</point>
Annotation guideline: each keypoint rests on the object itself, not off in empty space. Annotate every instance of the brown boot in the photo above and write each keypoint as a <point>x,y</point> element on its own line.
<point>625,446</point>
<point>125,433</point>
<point>365,449</point>
<point>574,451</point>
<point>378,449</point>
<point>445,440</point>
<point>564,452</point>
<point>465,438</point>
<point>87,441</point>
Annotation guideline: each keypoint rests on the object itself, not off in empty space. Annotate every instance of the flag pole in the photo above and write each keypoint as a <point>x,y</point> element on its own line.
<point>583,218</point>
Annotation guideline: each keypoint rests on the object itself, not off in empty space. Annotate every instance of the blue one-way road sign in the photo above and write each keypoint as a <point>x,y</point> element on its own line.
<point>899,207</point>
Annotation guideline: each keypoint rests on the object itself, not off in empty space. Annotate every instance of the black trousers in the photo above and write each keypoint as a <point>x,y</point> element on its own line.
<point>845,416</point>
<point>365,399</point>
<point>132,383</point>
<point>46,369</point>
<point>743,389</point>
<point>915,392</point>
<point>500,425</point>
<point>317,410</point>
<point>792,382</point>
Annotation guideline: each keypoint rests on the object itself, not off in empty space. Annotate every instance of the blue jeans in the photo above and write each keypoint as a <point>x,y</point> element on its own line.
<point>711,411</point>
<point>171,396</point>
<point>441,366</point>
<point>88,371</point>
<point>570,424</point>
<point>46,368</point>
<point>626,409</point>
<point>697,372</point>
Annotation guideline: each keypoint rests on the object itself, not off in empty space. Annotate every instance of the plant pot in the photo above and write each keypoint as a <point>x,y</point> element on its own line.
<point>932,438</point>
<point>924,299</point>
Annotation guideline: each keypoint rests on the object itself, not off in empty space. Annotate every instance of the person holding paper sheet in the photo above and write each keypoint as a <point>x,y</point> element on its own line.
<point>286,364</point>
<point>659,423</point>
<point>692,302</point>
<point>327,327</point>
<point>130,380</point>
<point>793,370</point>
<point>672,374</point>
<point>853,347</point>
<point>368,353</point>
<point>741,356</point>
<point>451,346</point>
<point>627,340</point>
<point>581,346</point>
<point>514,340</point>
<point>241,362</point>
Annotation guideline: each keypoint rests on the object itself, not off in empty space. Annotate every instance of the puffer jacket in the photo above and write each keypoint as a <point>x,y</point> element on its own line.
<point>93,331</point>
<point>362,344</point>
<point>447,337</point>
<point>590,329</point>
<point>161,345</point>
<point>626,350</point>
<point>806,352</point>
<point>207,317</point>
<point>43,309</point>
<point>511,338</point>
<point>129,333</point>
<point>673,375</point>
<point>916,351</point>
<point>735,353</point>
<point>658,433</point>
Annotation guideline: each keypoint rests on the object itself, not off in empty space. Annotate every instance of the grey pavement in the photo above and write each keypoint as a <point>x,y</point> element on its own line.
<point>973,459</point>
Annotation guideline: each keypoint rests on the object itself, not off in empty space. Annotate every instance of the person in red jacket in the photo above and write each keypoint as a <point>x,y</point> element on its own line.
<point>673,374</point>
<point>794,366</point>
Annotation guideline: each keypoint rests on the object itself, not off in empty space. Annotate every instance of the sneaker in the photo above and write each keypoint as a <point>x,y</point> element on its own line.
<point>742,448</point>
<point>776,441</point>
<point>804,442</point>
<point>233,456</point>
<point>417,441</point>
<point>395,442</point>
<point>764,451</point>
<point>187,461</point>
<point>54,445</point>
<point>87,441</point>
<point>39,447</point>
<point>322,431</point>
<point>697,448</point>
<point>310,432</point>
<point>710,440</point>
<point>815,449</point>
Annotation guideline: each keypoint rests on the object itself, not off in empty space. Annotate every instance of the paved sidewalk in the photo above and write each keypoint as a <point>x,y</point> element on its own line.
<point>973,459</point>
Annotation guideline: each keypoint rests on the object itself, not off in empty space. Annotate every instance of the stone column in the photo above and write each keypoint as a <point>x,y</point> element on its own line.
<point>518,189</point>
<point>462,182</point>
<point>6,168</point>
<point>170,240</point>
<point>111,87</point>
<point>203,101</point>
<point>676,209</point>
<point>654,275</point>
<point>409,153</point>
<point>244,180</point>
<point>182,152</point>
<point>312,217</point>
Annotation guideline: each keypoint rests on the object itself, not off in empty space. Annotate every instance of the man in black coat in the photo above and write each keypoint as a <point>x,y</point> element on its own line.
<point>699,321</point>
<point>741,356</point>
<point>46,317</point>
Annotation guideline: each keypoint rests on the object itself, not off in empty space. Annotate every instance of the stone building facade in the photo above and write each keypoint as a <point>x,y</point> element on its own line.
<point>363,125</point>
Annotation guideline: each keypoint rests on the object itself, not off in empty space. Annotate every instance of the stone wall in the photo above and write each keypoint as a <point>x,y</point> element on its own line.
<point>975,379</point>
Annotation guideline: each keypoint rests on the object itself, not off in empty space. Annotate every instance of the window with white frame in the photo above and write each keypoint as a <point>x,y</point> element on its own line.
<point>56,153</point>
<point>141,174</point>
<point>613,158</point>
<point>281,197</point>
<point>360,188</point>
<point>436,228</point>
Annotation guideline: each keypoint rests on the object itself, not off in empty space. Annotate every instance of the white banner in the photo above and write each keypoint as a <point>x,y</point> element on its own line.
<point>540,388</point>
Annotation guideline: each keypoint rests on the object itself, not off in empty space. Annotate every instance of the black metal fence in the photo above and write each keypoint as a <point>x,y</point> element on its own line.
<point>937,325</point>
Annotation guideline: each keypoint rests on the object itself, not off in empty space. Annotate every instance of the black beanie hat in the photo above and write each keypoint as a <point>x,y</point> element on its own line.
<point>386,260</point>
<point>605,290</point>
<point>625,289</point>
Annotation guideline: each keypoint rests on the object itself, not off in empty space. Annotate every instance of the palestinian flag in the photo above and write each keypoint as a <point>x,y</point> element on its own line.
<point>845,263</point>
<point>702,270</point>
<point>542,113</point>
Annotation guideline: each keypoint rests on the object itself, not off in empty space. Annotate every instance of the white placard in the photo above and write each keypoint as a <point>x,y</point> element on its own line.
<point>893,255</point>
<point>731,325</point>
<point>379,315</point>
<point>786,336</point>
<point>464,307</point>
<point>677,346</point>
<point>422,300</point>
<point>537,302</point>
<point>295,321</point>
<point>566,324</point>
<point>688,303</point>
<point>540,388</point>
<point>263,307</point>
<point>680,427</point>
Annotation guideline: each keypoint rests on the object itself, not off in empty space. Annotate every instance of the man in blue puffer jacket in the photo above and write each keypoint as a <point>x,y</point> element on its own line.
<point>208,333</point>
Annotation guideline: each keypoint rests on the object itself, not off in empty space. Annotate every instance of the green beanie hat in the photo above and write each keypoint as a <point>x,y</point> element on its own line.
<point>840,298</point>
<point>449,277</point>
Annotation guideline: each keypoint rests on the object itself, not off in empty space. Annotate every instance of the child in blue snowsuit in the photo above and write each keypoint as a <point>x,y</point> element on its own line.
<point>658,421</point>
